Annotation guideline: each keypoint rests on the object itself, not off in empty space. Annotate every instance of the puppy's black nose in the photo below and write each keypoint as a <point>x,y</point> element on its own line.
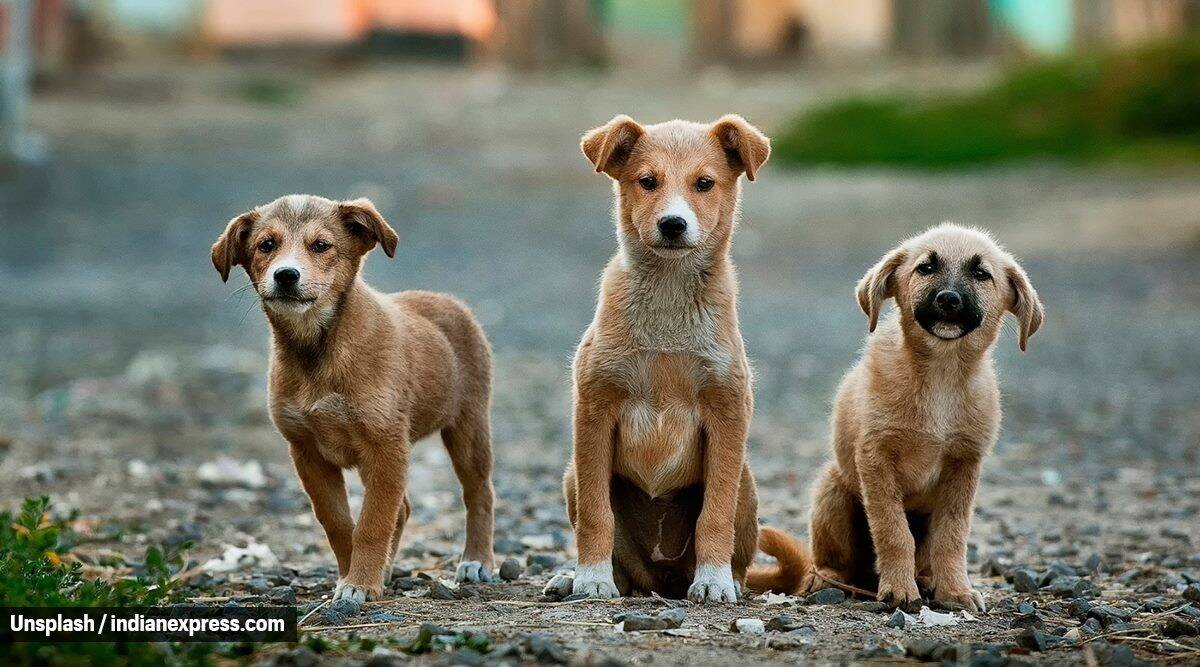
<point>671,227</point>
<point>948,301</point>
<point>287,276</point>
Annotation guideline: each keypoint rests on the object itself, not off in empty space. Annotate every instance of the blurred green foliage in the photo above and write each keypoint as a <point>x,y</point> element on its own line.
<point>271,92</point>
<point>1140,105</point>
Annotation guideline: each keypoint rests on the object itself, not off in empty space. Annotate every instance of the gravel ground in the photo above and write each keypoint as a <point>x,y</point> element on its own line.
<point>133,388</point>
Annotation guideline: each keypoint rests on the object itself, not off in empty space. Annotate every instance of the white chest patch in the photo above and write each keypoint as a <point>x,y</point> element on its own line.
<point>943,411</point>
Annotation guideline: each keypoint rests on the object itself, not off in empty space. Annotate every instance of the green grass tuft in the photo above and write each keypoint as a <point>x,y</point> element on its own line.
<point>1140,106</point>
<point>34,573</point>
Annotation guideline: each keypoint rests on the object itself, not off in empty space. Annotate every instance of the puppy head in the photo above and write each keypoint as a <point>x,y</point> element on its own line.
<point>954,284</point>
<point>676,182</point>
<point>302,251</point>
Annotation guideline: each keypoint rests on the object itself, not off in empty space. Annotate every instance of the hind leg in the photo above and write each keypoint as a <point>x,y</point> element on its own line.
<point>919,526</point>
<point>562,582</point>
<point>401,520</point>
<point>832,528</point>
<point>469,442</point>
<point>745,527</point>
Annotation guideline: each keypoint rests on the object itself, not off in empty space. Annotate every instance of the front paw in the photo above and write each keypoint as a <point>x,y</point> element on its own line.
<point>356,592</point>
<point>595,581</point>
<point>898,591</point>
<point>473,572</point>
<point>713,583</point>
<point>959,598</point>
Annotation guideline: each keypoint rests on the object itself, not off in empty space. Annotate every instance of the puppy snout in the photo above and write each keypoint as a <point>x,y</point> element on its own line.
<point>948,301</point>
<point>671,227</point>
<point>287,276</point>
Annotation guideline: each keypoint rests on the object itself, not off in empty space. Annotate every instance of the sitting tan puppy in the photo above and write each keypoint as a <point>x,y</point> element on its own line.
<point>357,377</point>
<point>914,419</point>
<point>659,493</point>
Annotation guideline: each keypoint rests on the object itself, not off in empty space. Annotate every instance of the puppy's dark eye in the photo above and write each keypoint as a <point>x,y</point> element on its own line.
<point>981,275</point>
<point>320,246</point>
<point>648,182</point>
<point>704,184</point>
<point>926,268</point>
<point>266,245</point>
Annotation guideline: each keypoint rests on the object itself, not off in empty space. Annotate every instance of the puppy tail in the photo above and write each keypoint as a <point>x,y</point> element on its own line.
<point>793,563</point>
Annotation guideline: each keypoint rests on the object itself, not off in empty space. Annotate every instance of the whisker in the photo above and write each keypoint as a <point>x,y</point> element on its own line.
<point>244,314</point>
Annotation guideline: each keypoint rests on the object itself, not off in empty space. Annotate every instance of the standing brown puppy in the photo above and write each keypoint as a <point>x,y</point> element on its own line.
<point>915,417</point>
<point>658,492</point>
<point>358,376</point>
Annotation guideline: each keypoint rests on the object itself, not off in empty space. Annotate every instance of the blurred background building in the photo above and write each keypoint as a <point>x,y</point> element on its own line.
<point>47,37</point>
<point>548,33</point>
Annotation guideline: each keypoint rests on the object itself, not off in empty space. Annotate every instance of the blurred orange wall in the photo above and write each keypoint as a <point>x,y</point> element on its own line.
<point>270,22</point>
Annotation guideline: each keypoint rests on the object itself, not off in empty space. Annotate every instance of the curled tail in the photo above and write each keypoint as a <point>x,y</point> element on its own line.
<point>793,563</point>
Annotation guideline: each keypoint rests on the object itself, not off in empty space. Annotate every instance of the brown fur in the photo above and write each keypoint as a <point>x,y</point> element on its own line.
<point>911,424</point>
<point>662,386</point>
<point>358,376</point>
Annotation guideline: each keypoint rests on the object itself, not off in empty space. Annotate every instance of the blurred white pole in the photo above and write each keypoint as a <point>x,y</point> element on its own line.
<point>14,88</point>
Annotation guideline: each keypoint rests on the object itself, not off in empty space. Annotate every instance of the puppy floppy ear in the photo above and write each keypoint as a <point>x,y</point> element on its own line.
<point>746,148</point>
<point>230,249</point>
<point>364,221</point>
<point>608,147</point>
<point>878,284</point>
<point>1025,302</point>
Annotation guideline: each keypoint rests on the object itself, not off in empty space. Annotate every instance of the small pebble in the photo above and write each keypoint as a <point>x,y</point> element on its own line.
<point>784,623</point>
<point>440,591</point>
<point>826,596</point>
<point>283,595</point>
<point>1109,615</point>
<point>899,619</point>
<point>1112,655</point>
<point>1024,621</point>
<point>668,619</point>
<point>340,610</point>
<point>510,569</point>
<point>1192,593</point>
<point>1177,627</point>
<point>1080,607</point>
<point>559,587</point>
<point>634,622</point>
<point>929,650</point>
<point>546,649</point>
<point>1025,581</point>
<point>749,626</point>
<point>386,617</point>
<point>673,616</point>
<point>1036,640</point>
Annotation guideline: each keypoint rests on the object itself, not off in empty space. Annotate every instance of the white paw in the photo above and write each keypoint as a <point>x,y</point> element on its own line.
<point>355,594</point>
<point>713,583</point>
<point>595,581</point>
<point>473,572</point>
